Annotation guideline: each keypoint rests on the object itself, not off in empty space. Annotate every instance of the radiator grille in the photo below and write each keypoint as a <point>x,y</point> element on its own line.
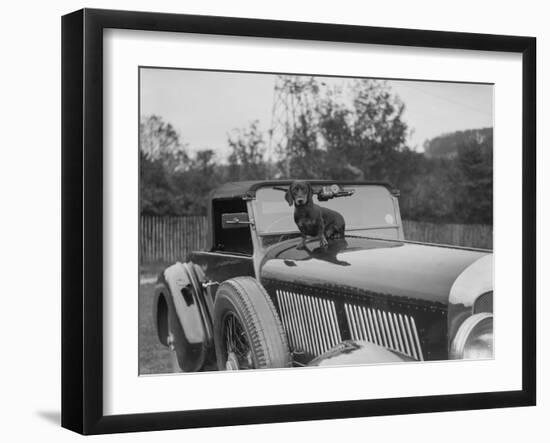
<point>393,331</point>
<point>312,327</point>
<point>310,322</point>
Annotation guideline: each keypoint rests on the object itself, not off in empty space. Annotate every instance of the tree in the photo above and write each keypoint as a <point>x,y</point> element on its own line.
<point>197,181</point>
<point>160,141</point>
<point>475,162</point>
<point>161,155</point>
<point>366,136</point>
<point>357,133</point>
<point>246,161</point>
<point>454,182</point>
<point>447,145</point>
<point>156,190</point>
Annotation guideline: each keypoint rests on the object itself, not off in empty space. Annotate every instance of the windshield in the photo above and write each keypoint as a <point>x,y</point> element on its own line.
<point>369,207</point>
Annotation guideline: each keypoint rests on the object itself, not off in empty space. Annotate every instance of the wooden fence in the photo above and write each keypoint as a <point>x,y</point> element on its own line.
<point>476,236</point>
<point>167,239</point>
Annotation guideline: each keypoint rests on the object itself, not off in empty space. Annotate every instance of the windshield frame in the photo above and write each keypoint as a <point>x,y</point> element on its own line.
<point>346,185</point>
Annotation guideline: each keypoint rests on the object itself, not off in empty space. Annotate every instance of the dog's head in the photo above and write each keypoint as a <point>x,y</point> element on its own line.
<point>299,193</point>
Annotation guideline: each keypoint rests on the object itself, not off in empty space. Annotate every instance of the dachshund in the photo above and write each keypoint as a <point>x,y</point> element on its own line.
<point>311,219</point>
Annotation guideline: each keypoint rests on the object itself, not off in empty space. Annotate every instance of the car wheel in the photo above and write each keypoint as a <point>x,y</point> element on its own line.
<point>174,365</point>
<point>247,330</point>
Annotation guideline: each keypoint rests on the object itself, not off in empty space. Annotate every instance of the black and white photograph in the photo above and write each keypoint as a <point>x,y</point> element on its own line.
<point>275,221</point>
<point>292,220</point>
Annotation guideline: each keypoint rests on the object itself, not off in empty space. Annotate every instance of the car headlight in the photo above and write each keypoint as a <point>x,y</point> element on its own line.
<point>474,338</point>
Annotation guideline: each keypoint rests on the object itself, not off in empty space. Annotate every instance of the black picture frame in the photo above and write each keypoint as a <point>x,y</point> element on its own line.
<point>82,218</point>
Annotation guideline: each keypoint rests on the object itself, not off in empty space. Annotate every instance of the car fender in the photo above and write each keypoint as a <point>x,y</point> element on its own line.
<point>358,352</point>
<point>181,316</point>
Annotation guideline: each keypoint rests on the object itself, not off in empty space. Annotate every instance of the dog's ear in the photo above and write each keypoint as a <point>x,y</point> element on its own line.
<point>288,197</point>
<point>309,192</point>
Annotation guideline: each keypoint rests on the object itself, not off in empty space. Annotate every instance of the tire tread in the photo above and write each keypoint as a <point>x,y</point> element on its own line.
<point>266,334</point>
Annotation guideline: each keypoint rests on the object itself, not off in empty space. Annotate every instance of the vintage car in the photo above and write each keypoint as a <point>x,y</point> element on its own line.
<point>253,299</point>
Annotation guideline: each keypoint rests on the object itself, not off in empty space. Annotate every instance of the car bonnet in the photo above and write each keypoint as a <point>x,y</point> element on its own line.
<point>374,266</point>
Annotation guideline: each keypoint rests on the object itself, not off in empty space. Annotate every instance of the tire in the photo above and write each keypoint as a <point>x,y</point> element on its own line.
<point>174,365</point>
<point>248,333</point>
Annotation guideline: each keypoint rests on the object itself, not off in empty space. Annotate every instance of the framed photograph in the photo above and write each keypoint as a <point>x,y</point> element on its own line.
<point>269,221</point>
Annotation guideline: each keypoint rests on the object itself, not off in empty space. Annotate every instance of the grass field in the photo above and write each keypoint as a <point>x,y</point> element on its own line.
<point>154,358</point>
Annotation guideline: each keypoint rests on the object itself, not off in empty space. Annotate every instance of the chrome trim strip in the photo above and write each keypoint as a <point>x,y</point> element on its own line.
<point>332,312</point>
<point>361,322</point>
<point>285,317</point>
<point>379,315</point>
<point>302,322</point>
<point>328,338</point>
<point>312,327</point>
<point>364,323</point>
<point>348,319</point>
<point>394,331</point>
<point>421,357</point>
<point>321,328</point>
<point>409,336</point>
<point>324,328</point>
<point>310,322</point>
<point>296,322</point>
<point>375,338</point>
<point>313,321</point>
<point>334,332</point>
<point>292,321</point>
<point>396,322</point>
<point>405,337</point>
<point>352,322</point>
<point>372,316</point>
<point>387,328</point>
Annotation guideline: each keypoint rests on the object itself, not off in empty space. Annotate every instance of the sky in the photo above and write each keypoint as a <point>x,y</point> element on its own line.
<point>206,106</point>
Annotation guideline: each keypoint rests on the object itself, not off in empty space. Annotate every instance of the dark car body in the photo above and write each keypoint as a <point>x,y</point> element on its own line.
<point>371,296</point>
